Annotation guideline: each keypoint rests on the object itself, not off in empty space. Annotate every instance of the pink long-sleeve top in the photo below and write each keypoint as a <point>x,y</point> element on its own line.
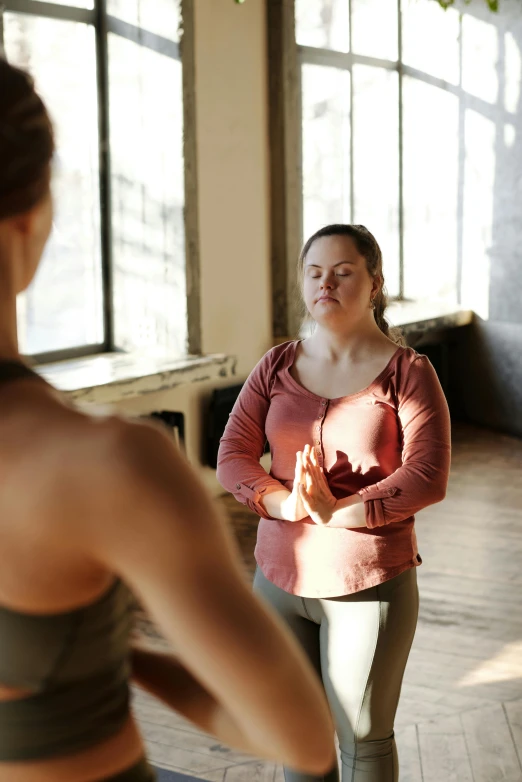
<point>389,443</point>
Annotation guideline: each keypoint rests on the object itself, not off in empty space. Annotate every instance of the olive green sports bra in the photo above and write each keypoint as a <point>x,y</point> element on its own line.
<point>74,664</point>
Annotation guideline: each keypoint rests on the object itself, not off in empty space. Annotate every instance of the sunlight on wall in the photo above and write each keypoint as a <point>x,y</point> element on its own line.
<point>162,17</point>
<point>512,71</point>
<point>428,30</point>
<point>369,38</point>
<point>376,162</point>
<point>431,122</point>
<point>480,54</point>
<point>479,182</point>
<point>510,135</point>
<point>504,666</point>
<point>324,24</point>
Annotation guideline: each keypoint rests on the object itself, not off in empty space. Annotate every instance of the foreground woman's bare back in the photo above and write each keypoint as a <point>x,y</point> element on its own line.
<point>85,499</point>
<point>55,464</point>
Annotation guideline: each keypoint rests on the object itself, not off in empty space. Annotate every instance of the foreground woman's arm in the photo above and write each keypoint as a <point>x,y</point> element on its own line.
<point>240,674</point>
<point>162,675</point>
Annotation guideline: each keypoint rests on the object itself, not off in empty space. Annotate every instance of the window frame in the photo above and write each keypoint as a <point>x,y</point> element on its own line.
<point>286,58</point>
<point>104,24</point>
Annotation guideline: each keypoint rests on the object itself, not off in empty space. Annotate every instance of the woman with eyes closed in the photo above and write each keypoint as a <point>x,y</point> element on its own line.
<point>359,434</point>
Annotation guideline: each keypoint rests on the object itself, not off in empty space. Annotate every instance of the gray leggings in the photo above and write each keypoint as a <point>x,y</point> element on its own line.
<point>359,644</point>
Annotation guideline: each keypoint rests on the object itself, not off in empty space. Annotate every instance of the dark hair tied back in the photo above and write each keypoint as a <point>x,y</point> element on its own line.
<point>26,143</point>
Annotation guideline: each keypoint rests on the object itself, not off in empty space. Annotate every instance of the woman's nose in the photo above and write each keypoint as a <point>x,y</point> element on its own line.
<point>326,281</point>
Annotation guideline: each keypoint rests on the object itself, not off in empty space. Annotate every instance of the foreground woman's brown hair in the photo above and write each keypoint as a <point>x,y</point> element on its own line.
<point>90,508</point>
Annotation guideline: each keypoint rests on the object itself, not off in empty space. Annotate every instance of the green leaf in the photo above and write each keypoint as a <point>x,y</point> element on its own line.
<point>493,5</point>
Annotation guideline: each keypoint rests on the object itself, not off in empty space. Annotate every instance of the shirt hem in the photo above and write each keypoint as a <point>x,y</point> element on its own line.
<point>350,588</point>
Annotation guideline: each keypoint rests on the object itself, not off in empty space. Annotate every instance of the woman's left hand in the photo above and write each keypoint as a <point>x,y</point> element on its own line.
<point>317,498</point>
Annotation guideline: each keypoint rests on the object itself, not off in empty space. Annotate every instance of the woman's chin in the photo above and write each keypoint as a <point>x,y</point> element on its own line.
<point>328,314</point>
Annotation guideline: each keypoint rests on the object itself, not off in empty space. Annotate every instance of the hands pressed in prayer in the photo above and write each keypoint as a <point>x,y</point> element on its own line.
<point>292,507</point>
<point>317,499</point>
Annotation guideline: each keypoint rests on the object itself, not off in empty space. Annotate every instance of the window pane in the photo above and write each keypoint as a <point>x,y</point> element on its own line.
<point>480,48</point>
<point>427,30</point>
<point>376,162</point>
<point>162,17</point>
<point>431,186</point>
<point>326,147</point>
<point>63,307</point>
<point>323,24</point>
<point>146,119</point>
<point>374,28</point>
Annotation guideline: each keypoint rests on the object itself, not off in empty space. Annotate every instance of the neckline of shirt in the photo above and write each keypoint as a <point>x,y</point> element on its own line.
<point>362,392</point>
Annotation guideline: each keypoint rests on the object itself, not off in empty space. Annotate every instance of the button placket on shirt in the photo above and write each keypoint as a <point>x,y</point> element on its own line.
<point>318,430</point>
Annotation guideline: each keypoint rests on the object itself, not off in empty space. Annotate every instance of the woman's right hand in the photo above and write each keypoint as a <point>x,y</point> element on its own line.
<point>287,505</point>
<point>293,507</point>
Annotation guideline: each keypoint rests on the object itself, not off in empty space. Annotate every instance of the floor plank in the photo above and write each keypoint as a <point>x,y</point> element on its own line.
<point>514,717</point>
<point>443,751</point>
<point>193,742</point>
<point>184,761</point>
<point>490,745</point>
<point>409,757</point>
<point>251,772</point>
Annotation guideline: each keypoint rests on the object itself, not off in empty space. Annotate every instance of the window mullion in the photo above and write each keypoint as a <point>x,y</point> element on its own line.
<point>102,61</point>
<point>49,10</point>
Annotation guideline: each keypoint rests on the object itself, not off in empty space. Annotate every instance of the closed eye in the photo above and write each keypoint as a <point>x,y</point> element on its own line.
<point>318,275</point>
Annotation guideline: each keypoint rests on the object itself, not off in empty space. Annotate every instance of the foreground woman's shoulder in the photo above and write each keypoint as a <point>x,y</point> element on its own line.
<point>125,466</point>
<point>132,443</point>
<point>107,448</point>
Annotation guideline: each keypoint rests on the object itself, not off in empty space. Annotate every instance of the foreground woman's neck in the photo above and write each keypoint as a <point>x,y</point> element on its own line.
<point>8,327</point>
<point>8,288</point>
<point>8,342</point>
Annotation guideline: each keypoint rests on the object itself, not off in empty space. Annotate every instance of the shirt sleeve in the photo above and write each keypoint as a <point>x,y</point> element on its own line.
<point>423,476</point>
<point>243,442</point>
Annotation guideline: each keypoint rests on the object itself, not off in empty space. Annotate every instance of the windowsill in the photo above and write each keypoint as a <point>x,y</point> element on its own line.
<point>107,378</point>
<point>424,316</point>
<point>112,377</point>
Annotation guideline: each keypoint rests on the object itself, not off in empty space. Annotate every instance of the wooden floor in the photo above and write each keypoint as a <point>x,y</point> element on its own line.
<point>460,716</point>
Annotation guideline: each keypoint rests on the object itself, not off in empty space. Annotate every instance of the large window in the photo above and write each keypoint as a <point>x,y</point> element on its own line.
<point>113,274</point>
<point>380,88</point>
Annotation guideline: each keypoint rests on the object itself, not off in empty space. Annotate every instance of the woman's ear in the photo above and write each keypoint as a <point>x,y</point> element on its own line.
<point>31,230</point>
<point>376,285</point>
<point>36,221</point>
